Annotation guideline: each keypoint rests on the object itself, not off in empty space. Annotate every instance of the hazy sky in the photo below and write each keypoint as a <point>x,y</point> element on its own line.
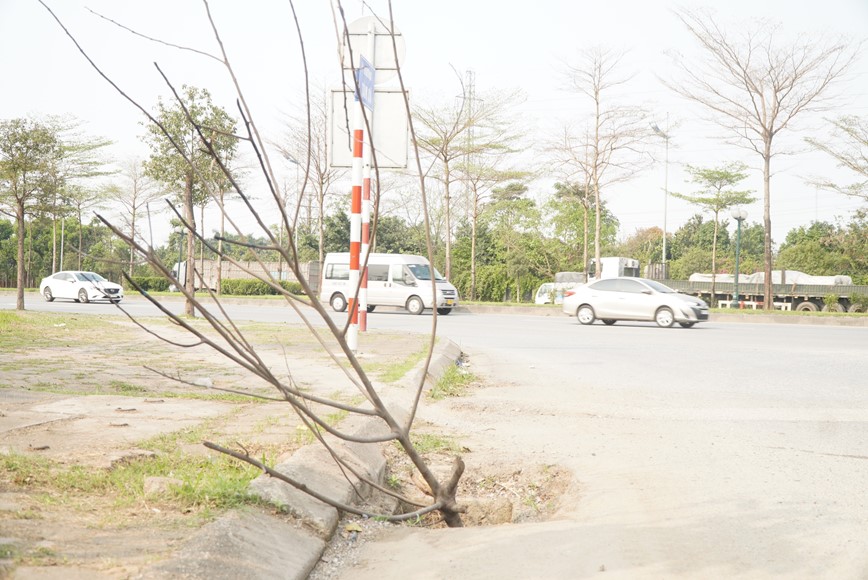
<point>507,44</point>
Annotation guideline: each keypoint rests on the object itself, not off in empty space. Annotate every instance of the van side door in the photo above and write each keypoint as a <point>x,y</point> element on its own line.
<point>403,285</point>
<point>379,285</point>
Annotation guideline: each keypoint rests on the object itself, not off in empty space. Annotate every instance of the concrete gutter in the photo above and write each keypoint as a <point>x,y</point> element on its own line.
<point>253,544</point>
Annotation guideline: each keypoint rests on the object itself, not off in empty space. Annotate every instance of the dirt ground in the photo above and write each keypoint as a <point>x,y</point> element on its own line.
<point>86,393</point>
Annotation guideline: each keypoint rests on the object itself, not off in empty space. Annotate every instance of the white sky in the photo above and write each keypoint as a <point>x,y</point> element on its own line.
<point>507,44</point>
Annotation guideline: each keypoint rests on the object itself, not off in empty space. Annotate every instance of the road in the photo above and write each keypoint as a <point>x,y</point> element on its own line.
<point>725,450</point>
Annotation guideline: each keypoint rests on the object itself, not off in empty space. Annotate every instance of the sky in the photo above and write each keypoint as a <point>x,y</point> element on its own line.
<point>508,45</point>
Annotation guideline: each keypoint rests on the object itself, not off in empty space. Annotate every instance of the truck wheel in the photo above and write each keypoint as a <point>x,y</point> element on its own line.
<point>836,307</point>
<point>371,307</point>
<point>415,305</point>
<point>664,318</point>
<point>855,308</point>
<point>444,311</point>
<point>806,306</point>
<point>338,302</point>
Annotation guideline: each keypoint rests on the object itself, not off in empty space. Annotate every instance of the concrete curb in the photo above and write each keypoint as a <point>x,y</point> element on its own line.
<point>255,545</point>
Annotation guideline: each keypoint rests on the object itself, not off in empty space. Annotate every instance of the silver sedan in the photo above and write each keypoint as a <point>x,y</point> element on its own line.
<point>614,299</point>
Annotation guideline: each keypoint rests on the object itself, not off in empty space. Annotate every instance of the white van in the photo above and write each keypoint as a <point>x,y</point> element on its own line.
<point>393,280</point>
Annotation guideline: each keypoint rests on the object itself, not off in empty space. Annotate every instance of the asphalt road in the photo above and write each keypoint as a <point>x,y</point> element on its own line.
<point>725,450</point>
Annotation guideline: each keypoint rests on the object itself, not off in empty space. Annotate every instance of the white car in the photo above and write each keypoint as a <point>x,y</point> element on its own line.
<point>627,298</point>
<point>80,286</point>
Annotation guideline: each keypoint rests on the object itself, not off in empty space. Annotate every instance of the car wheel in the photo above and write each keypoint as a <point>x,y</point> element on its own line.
<point>49,297</point>
<point>82,296</point>
<point>370,307</point>
<point>338,302</point>
<point>686,324</point>
<point>664,318</point>
<point>415,305</point>
<point>586,314</point>
<point>608,321</point>
<point>444,311</point>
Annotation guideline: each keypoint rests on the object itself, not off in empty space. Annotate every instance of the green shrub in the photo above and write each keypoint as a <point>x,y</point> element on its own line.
<point>859,300</point>
<point>152,283</point>
<point>252,287</point>
<point>831,301</point>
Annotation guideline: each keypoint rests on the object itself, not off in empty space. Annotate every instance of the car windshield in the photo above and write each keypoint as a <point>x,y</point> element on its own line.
<point>423,272</point>
<point>658,287</point>
<point>89,277</point>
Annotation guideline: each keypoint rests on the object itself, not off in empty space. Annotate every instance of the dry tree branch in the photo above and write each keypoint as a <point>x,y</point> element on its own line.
<point>230,342</point>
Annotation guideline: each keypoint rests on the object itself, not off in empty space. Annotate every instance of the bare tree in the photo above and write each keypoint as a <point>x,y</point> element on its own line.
<point>610,151</point>
<point>227,339</point>
<point>133,197</point>
<point>849,146</point>
<point>453,135</point>
<point>304,149</point>
<point>755,84</point>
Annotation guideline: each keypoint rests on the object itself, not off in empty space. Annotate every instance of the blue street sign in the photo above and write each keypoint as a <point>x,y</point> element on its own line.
<point>365,80</point>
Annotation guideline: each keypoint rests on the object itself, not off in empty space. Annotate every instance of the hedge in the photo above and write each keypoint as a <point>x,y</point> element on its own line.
<point>245,287</point>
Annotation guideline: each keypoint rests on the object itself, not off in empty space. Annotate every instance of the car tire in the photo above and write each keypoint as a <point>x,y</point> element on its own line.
<point>664,317</point>
<point>608,321</point>
<point>370,307</point>
<point>415,305</point>
<point>82,296</point>
<point>338,302</point>
<point>444,311</point>
<point>49,297</point>
<point>585,314</point>
<point>686,324</point>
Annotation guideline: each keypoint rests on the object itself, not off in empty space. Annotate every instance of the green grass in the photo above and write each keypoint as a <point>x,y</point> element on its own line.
<point>26,330</point>
<point>430,443</point>
<point>209,482</point>
<point>452,383</point>
<point>390,373</point>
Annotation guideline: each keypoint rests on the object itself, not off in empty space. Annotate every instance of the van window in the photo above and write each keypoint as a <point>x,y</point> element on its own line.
<point>337,272</point>
<point>378,273</point>
<point>423,272</point>
<point>401,275</point>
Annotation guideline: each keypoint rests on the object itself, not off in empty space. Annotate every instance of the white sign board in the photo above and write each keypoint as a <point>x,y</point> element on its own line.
<point>390,129</point>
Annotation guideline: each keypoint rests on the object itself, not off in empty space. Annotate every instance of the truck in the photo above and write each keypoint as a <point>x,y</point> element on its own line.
<point>206,272</point>
<point>611,267</point>
<point>791,290</point>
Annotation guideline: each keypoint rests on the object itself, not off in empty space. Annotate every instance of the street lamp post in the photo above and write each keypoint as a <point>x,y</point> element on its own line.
<point>665,137</point>
<point>739,214</point>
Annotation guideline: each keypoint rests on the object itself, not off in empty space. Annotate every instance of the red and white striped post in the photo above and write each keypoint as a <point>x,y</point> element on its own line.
<point>355,232</point>
<point>366,237</point>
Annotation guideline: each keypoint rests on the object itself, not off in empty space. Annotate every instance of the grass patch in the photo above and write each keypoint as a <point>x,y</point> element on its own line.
<point>452,383</point>
<point>430,443</point>
<point>390,373</point>
<point>25,329</point>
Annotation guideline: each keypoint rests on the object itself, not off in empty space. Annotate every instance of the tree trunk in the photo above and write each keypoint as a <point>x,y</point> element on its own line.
<point>79,239</point>
<point>714,259</point>
<point>448,224</point>
<point>189,215</point>
<point>473,222</point>
<point>767,225</point>
<point>19,294</point>
<point>132,236</point>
